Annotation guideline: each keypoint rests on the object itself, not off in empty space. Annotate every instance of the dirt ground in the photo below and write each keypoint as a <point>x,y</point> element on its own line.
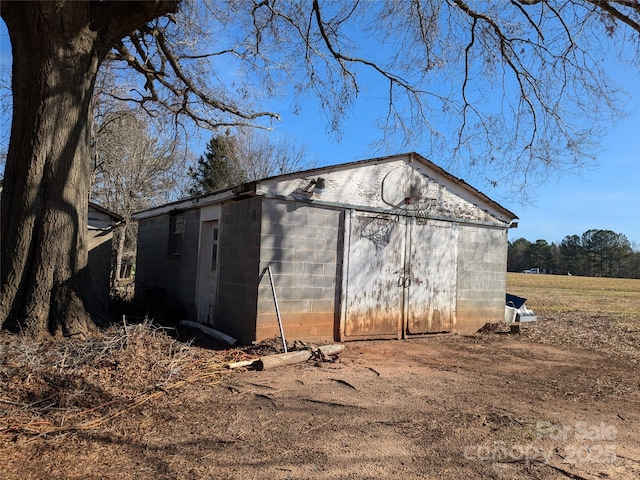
<point>143,405</point>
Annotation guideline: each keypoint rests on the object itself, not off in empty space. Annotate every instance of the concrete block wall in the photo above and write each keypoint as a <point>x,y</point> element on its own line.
<point>175,274</point>
<point>239,251</point>
<point>482,277</point>
<point>302,244</point>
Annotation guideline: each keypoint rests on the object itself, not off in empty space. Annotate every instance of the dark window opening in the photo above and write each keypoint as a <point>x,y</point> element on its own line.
<point>176,231</point>
<point>214,250</point>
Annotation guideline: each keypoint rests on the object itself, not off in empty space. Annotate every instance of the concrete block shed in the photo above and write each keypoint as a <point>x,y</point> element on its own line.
<point>388,247</point>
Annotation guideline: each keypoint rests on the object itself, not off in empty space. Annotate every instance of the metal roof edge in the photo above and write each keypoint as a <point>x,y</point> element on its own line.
<point>186,204</point>
<point>101,209</point>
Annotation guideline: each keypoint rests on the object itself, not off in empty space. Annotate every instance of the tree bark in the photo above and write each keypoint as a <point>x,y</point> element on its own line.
<point>57,48</point>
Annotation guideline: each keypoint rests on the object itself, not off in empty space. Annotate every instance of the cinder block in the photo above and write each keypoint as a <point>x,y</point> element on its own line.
<point>325,256</point>
<point>325,305</point>
<point>313,269</point>
<point>277,255</point>
<point>295,219</point>
<point>322,281</point>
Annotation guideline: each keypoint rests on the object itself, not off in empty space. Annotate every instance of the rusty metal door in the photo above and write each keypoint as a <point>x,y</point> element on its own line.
<point>374,274</point>
<point>432,267</point>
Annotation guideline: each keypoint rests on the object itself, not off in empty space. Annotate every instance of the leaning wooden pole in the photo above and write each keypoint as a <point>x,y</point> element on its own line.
<point>275,300</point>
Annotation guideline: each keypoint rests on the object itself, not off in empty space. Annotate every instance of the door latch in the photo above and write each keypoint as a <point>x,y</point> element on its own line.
<point>404,281</point>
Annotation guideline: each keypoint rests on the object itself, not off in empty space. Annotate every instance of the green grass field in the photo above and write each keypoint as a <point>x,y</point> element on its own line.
<point>617,298</point>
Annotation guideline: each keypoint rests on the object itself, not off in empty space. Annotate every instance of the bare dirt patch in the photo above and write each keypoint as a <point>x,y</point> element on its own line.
<point>142,404</point>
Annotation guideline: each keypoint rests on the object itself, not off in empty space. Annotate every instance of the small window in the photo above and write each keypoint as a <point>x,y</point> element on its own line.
<point>176,230</point>
<point>214,251</point>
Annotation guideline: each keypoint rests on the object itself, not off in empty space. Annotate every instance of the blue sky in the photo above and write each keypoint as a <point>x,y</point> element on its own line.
<point>607,197</point>
<point>604,197</point>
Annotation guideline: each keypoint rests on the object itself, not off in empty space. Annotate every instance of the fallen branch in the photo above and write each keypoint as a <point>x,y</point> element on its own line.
<point>280,359</point>
<point>289,358</point>
<point>241,363</point>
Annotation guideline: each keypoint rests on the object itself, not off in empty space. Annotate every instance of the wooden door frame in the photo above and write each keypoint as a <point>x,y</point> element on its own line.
<point>210,213</point>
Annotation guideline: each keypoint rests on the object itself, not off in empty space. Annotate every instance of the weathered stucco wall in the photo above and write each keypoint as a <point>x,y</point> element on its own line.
<point>175,275</point>
<point>239,259</point>
<point>302,245</point>
<point>482,277</point>
<point>390,185</point>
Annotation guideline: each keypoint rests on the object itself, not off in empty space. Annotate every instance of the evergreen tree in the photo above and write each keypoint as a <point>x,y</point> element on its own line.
<point>573,256</point>
<point>218,168</point>
<point>518,255</point>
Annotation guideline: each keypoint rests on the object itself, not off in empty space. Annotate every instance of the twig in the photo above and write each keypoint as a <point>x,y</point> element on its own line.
<point>627,458</point>
<point>344,382</point>
<point>9,402</point>
<point>64,357</point>
<point>573,476</point>
<point>334,404</point>
<point>262,395</point>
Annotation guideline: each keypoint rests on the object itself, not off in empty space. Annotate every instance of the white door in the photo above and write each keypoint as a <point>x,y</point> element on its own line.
<point>208,265</point>
<point>401,277</point>
<point>374,272</point>
<point>432,269</point>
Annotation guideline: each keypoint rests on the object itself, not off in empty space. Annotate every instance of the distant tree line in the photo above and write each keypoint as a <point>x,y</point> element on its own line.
<point>595,253</point>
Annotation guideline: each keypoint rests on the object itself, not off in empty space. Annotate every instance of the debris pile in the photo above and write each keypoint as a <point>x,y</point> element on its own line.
<point>64,385</point>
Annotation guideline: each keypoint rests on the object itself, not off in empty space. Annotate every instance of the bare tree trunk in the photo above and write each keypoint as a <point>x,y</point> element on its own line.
<point>57,48</point>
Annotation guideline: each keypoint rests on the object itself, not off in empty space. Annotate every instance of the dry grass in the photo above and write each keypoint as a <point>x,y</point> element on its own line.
<point>598,314</point>
<point>617,298</point>
<point>60,386</point>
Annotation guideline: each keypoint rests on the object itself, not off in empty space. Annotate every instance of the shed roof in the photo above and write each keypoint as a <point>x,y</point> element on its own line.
<point>115,216</point>
<point>455,185</point>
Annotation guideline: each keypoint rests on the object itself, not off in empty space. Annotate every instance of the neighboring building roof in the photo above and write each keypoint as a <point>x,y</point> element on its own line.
<point>116,217</point>
<point>99,218</point>
<point>454,184</point>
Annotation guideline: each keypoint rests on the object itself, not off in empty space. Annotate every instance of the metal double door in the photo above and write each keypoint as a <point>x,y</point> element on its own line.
<point>401,276</point>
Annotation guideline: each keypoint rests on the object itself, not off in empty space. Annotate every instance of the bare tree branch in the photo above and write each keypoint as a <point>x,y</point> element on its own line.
<point>607,6</point>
